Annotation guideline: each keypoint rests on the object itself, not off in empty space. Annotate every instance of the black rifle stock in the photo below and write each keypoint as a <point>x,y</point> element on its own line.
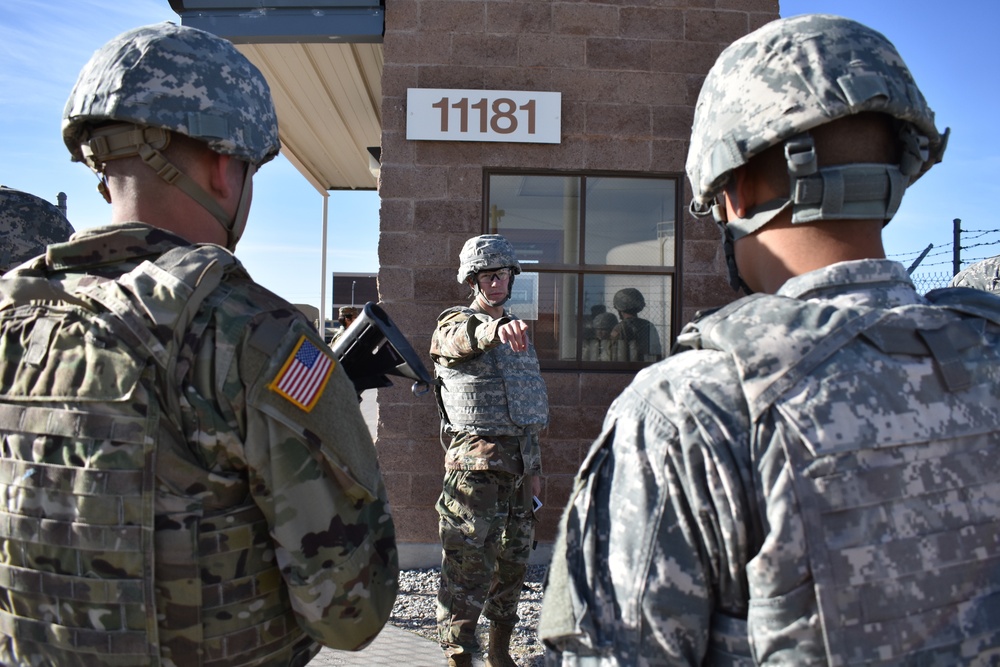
<point>373,347</point>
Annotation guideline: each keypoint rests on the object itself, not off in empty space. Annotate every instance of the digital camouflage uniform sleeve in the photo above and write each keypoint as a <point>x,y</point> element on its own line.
<point>651,548</point>
<point>314,472</point>
<point>462,333</point>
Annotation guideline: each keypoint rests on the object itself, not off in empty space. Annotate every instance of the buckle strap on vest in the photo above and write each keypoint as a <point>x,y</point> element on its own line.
<point>83,481</point>
<point>120,642</point>
<point>68,587</point>
<point>83,536</point>
<point>257,639</point>
<point>73,423</point>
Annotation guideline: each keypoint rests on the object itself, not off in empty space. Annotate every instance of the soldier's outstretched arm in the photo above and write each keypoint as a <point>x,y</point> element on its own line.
<point>314,472</point>
<point>461,334</point>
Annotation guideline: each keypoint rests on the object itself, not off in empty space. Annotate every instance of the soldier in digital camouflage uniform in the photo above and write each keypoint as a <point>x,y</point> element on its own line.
<point>493,404</point>
<point>984,275</point>
<point>27,224</point>
<point>633,338</point>
<point>814,479</point>
<point>187,477</point>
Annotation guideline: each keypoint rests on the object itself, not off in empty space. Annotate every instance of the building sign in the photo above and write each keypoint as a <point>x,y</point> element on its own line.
<point>483,115</point>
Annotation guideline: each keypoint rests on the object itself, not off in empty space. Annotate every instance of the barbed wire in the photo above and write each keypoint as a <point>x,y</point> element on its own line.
<point>914,253</point>
<point>947,249</point>
<point>980,245</point>
<point>973,260</point>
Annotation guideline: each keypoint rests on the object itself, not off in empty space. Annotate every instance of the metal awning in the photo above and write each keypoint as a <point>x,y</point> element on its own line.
<point>323,61</point>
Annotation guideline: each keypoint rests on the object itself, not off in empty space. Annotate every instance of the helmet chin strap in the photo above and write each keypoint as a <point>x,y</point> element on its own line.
<point>123,140</point>
<point>841,192</point>
<point>728,246</point>
<point>233,226</point>
<point>239,223</point>
<point>493,304</point>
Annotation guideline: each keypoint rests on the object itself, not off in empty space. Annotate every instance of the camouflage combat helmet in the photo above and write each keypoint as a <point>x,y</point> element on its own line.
<point>481,253</point>
<point>163,78</point>
<point>27,224</point>
<point>180,79</point>
<point>628,300</point>
<point>791,75</point>
<point>605,321</point>
<point>489,251</point>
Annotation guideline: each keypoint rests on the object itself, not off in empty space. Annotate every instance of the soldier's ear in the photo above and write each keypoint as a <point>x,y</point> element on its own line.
<point>221,182</point>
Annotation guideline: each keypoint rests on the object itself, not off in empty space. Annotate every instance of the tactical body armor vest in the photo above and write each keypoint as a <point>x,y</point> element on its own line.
<point>111,544</point>
<point>900,501</point>
<point>499,392</point>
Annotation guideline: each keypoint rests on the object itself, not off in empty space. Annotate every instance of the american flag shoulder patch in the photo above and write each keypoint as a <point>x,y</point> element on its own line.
<point>304,374</point>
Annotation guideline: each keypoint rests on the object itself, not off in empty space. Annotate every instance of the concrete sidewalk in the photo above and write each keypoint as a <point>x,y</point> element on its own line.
<point>393,647</point>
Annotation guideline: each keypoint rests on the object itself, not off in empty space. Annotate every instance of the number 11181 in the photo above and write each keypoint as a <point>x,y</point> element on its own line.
<point>501,116</point>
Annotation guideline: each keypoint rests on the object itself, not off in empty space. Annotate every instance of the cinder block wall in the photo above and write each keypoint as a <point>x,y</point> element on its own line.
<point>629,72</point>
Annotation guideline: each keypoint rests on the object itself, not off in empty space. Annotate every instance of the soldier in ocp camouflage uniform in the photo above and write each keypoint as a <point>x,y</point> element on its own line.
<point>984,275</point>
<point>493,404</point>
<point>27,224</point>
<point>813,479</point>
<point>187,476</point>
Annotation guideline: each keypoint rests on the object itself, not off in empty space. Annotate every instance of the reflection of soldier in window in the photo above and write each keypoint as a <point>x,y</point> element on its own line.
<point>635,338</point>
<point>599,346</point>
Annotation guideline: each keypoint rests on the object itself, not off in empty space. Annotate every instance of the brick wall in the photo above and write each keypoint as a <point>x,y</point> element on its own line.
<point>629,72</point>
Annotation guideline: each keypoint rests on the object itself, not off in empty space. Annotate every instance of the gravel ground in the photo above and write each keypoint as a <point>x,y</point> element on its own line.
<point>415,611</point>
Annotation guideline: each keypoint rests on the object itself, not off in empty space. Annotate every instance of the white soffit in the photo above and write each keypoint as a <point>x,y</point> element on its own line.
<point>328,99</point>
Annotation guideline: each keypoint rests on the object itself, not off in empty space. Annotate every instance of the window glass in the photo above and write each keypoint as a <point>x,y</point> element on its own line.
<point>541,212</point>
<point>627,317</point>
<point>548,302</point>
<point>573,235</point>
<point>630,221</point>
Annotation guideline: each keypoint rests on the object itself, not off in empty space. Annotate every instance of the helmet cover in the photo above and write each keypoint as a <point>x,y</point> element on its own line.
<point>792,75</point>
<point>180,79</point>
<point>489,251</point>
<point>629,300</point>
<point>604,321</point>
<point>28,224</point>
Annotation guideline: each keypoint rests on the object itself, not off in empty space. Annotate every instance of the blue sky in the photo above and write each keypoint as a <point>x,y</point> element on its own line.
<point>43,46</point>
<point>44,43</point>
<point>951,49</point>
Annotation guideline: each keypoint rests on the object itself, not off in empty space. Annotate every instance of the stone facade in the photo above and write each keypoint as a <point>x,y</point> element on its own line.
<point>629,72</point>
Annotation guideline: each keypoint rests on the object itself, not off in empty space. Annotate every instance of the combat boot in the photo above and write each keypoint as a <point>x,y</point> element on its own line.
<point>499,650</point>
<point>460,660</point>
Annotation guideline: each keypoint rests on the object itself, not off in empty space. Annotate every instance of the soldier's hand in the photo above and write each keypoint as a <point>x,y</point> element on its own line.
<point>515,334</point>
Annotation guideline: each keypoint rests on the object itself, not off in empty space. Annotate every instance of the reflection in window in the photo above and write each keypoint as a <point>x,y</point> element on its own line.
<point>599,255</point>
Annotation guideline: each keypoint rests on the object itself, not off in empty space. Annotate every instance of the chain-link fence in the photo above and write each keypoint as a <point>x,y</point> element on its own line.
<point>925,282</point>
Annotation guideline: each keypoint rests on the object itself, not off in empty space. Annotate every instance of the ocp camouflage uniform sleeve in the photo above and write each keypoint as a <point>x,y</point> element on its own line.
<point>653,541</point>
<point>462,334</point>
<point>315,475</point>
